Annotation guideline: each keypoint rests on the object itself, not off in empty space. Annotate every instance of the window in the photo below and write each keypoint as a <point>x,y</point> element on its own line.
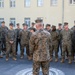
<point>27,3</point>
<point>12,20</point>
<point>40,2</point>
<point>27,21</point>
<point>12,3</point>
<point>72,1</point>
<point>53,2</point>
<point>1,19</point>
<point>1,3</point>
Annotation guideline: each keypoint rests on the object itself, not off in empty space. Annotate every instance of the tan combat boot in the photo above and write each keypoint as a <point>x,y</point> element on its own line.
<point>14,58</point>
<point>69,61</point>
<point>62,61</point>
<point>7,59</point>
<point>56,59</point>
<point>22,57</point>
<point>1,56</point>
<point>51,59</point>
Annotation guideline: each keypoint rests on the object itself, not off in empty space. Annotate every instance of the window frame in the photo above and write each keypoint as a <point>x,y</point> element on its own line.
<point>52,4</point>
<point>27,20</point>
<point>72,2</point>
<point>27,4</point>
<point>12,5</point>
<point>41,3</point>
<point>13,20</point>
<point>2,3</point>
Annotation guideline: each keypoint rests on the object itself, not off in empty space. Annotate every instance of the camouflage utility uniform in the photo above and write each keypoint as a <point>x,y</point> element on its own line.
<point>55,37</point>
<point>4,31</point>
<point>40,45</point>
<point>11,36</point>
<point>24,36</point>
<point>66,43</point>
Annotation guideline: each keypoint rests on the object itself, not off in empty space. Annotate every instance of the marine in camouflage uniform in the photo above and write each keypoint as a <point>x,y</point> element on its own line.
<point>48,28</point>
<point>59,40</point>
<point>55,37</point>
<point>66,36</point>
<point>32,26</point>
<point>11,42</point>
<point>4,31</point>
<point>73,41</point>
<point>1,35</point>
<point>40,45</point>
<point>73,44</point>
<point>18,41</point>
<point>25,36</point>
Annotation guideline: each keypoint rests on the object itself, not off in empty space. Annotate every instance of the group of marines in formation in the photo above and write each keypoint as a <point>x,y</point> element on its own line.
<point>42,44</point>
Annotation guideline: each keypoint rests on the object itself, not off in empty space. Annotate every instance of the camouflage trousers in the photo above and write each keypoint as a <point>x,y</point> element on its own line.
<point>44,66</point>
<point>66,47</point>
<point>10,48</point>
<point>54,50</point>
<point>27,49</point>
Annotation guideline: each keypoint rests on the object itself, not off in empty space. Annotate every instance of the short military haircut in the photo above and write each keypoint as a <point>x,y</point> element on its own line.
<point>53,28</point>
<point>17,24</point>
<point>32,23</point>
<point>11,24</point>
<point>24,24</point>
<point>33,29</point>
<point>48,25</point>
<point>3,22</point>
<point>65,23</point>
<point>59,24</point>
